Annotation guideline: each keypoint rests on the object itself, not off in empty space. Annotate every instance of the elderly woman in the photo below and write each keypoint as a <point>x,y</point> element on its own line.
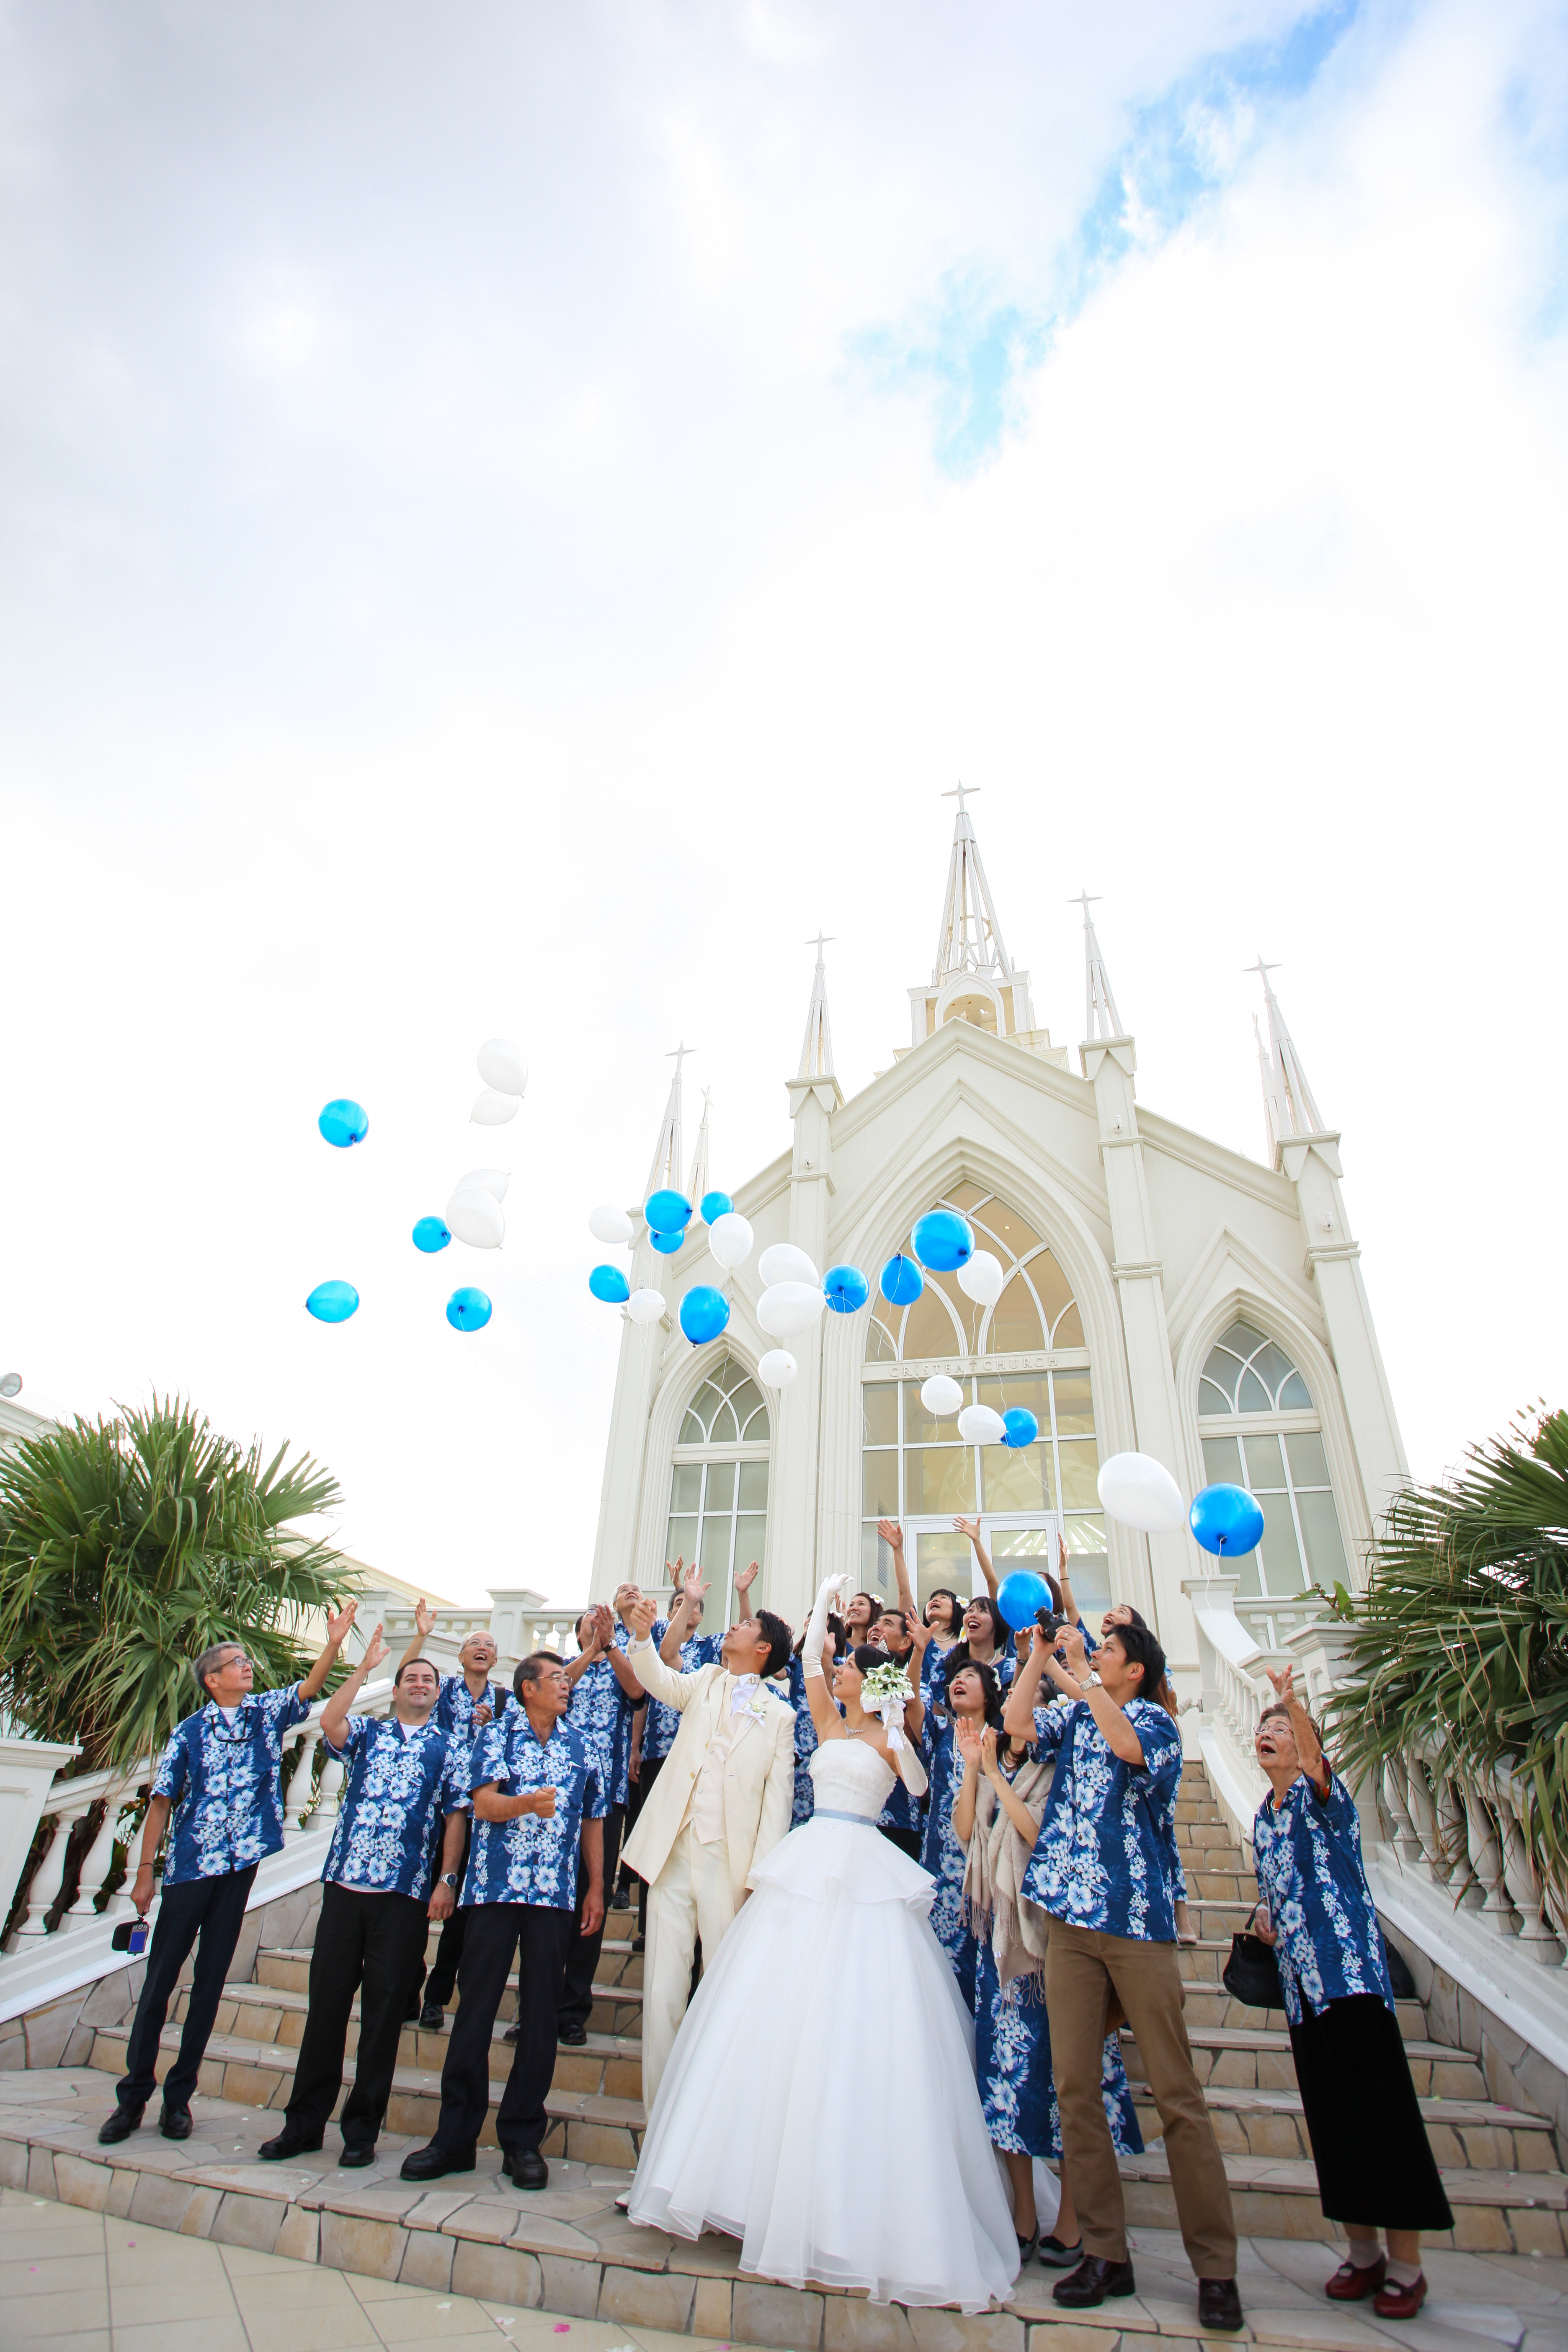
<point>1374,2164</point>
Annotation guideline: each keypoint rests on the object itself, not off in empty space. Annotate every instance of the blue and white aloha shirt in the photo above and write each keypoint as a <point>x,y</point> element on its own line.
<point>661,1723</point>
<point>531,1860</point>
<point>226,1784</point>
<point>401,1785</point>
<point>598,1706</point>
<point>1013,2061</point>
<point>620,1787</point>
<point>455,1705</point>
<point>901,1811</point>
<point>1307,1856</point>
<point>1101,1858</point>
<point>943,1857</point>
<point>805,1803</point>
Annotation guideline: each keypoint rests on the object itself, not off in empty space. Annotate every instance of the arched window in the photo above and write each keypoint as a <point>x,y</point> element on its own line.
<point>1260,1430</point>
<point>917,1469</point>
<point>719,1483</point>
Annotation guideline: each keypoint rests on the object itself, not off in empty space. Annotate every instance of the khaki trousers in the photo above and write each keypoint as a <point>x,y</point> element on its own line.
<point>1082,1967</point>
<point>690,1898</point>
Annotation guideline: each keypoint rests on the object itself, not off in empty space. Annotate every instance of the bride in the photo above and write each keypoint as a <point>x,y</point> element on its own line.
<point>872,2175</point>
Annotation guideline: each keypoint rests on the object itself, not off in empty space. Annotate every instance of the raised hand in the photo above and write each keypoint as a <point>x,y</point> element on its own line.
<point>375,1650</point>
<point>338,1626</point>
<point>638,1613</point>
<point>424,1618</point>
<point>970,1527</point>
<point>1061,1557</point>
<point>1070,1642</point>
<point>967,1730</point>
<point>920,1632</point>
<point>1284,1685</point>
<point>988,1764</point>
<point>695,1590</point>
<point>745,1578</point>
<point>891,1533</point>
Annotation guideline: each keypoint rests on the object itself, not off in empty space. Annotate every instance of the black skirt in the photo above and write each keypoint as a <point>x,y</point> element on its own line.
<point>1375,2166</point>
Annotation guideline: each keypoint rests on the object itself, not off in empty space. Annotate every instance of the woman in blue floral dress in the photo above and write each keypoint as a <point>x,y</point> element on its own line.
<point>968,1695</point>
<point>997,1812</point>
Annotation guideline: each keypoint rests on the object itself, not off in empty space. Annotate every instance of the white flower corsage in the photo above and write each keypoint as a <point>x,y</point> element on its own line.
<point>886,1692</point>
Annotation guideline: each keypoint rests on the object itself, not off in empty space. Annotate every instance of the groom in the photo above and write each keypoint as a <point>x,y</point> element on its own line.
<point>721,1804</point>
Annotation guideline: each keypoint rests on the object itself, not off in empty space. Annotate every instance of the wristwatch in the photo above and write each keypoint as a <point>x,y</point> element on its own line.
<point>449,1878</point>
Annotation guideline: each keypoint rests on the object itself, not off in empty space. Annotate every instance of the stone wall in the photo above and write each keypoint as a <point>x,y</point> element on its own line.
<point>1516,2075</point>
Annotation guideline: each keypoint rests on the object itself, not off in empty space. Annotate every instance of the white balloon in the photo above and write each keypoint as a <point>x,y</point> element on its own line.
<point>978,1425</point>
<point>476,1218</point>
<point>493,1181</point>
<point>981,1278</point>
<point>492,1109</point>
<point>1141,1492</point>
<point>782,1262</point>
<point>777,1369</point>
<point>730,1240</point>
<point>941,1396</point>
<point>647,1307</point>
<point>789,1307</point>
<point>608,1225</point>
<point>502,1065</point>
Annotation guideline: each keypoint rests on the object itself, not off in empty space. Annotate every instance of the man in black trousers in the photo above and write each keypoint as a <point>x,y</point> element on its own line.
<point>538,1804</point>
<point>407,1793</point>
<point>219,1790</point>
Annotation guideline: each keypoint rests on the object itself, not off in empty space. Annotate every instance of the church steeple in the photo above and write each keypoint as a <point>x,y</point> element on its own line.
<point>816,1051</point>
<point>1288,1098</point>
<point>1101,1018</point>
<point>973,978</point>
<point>666,1169</point>
<point>697,1182</point>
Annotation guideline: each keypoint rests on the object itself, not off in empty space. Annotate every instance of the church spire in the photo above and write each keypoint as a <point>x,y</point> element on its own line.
<point>666,1169</point>
<point>817,1052</point>
<point>970,939</point>
<point>697,1182</point>
<point>1101,1018</point>
<point>1288,1098</point>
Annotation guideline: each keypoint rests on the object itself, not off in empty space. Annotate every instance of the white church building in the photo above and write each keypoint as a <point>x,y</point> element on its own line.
<point>1164,1292</point>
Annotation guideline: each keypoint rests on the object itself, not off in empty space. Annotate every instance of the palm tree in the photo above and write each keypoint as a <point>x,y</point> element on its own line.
<point>126,1546</point>
<point>1461,1645</point>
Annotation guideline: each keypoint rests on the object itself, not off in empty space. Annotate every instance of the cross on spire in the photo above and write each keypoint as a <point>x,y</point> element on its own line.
<point>1101,1018</point>
<point>970,939</point>
<point>816,1050</point>
<point>666,1169</point>
<point>1287,1099</point>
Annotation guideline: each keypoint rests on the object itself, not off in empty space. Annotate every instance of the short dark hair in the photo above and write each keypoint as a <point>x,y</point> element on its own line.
<point>955,1606</point>
<point>958,1662</point>
<point>866,1656</point>
<point>1002,1632</point>
<point>835,1626</point>
<point>403,1669</point>
<point>1140,1648</point>
<point>528,1669</point>
<point>780,1640</point>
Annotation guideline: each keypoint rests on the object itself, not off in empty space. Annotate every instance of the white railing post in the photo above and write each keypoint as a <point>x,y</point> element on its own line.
<point>49,1878</point>
<point>28,1771</point>
<point>95,1865</point>
<point>296,1801</point>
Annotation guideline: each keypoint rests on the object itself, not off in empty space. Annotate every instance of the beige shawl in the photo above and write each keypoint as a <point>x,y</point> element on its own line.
<point>994,1874</point>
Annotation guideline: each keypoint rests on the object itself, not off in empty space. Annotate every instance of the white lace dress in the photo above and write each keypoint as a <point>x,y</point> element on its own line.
<point>874,2172</point>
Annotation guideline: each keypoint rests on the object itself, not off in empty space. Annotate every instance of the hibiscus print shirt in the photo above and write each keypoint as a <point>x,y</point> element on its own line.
<point>531,1860</point>
<point>400,1786</point>
<point>224,1780</point>
<point>1101,1860</point>
<point>1307,1856</point>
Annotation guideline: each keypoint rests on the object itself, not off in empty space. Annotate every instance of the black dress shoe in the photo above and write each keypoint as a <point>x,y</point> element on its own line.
<point>431,2017</point>
<point>434,2163</point>
<point>174,2123</point>
<point>120,2126</point>
<point>1092,2282</point>
<point>354,2159</point>
<point>526,2169</point>
<point>572,2037</point>
<point>273,2151</point>
<point>639,1943</point>
<point>512,2032</point>
<point>1219,2305</point>
<point>1058,2257</point>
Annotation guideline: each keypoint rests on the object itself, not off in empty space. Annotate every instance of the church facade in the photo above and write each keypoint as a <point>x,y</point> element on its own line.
<point>1163,1293</point>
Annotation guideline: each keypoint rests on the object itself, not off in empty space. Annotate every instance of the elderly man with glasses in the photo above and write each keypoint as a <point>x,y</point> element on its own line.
<point>218,1793</point>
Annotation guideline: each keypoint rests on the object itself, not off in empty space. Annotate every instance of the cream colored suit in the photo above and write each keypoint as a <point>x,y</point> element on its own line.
<point>696,1886</point>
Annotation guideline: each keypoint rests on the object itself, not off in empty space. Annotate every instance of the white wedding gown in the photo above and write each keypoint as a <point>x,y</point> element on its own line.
<point>870,2171</point>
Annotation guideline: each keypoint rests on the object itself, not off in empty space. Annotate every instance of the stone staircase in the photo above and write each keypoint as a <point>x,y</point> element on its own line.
<point>569,2251</point>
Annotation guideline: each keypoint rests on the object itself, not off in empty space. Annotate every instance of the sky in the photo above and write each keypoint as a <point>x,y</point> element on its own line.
<point>512,518</point>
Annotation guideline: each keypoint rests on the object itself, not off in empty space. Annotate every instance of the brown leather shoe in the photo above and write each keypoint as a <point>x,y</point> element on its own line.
<point>1397,2302</point>
<point>1352,2282</point>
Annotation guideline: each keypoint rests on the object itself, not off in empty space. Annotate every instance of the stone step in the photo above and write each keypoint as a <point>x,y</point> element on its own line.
<point>1467,2134</point>
<point>591,2127</point>
<point>1257,2058</point>
<point>1212,2005</point>
<point>620,1970</point>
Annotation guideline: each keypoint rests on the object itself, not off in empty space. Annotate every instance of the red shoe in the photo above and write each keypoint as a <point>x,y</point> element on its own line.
<point>1401,2302</point>
<point>1351,2283</point>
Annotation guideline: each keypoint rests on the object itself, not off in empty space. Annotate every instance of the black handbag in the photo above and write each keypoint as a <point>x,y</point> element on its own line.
<point>1252,1973</point>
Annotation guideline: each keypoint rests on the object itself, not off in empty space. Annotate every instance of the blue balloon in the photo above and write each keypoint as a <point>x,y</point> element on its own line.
<point>667,1212</point>
<point>1021,1596</point>
<point>608,1283</point>
<point>1021,1426</point>
<point>1226,1521</point>
<point>943,1241</point>
<point>344,1122</point>
<point>704,1312</point>
<point>714,1205</point>
<point>668,1244</point>
<point>901,1282</point>
<point>467,1310</point>
<point>845,1288</point>
<point>430,1236</point>
<point>332,1302</point>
